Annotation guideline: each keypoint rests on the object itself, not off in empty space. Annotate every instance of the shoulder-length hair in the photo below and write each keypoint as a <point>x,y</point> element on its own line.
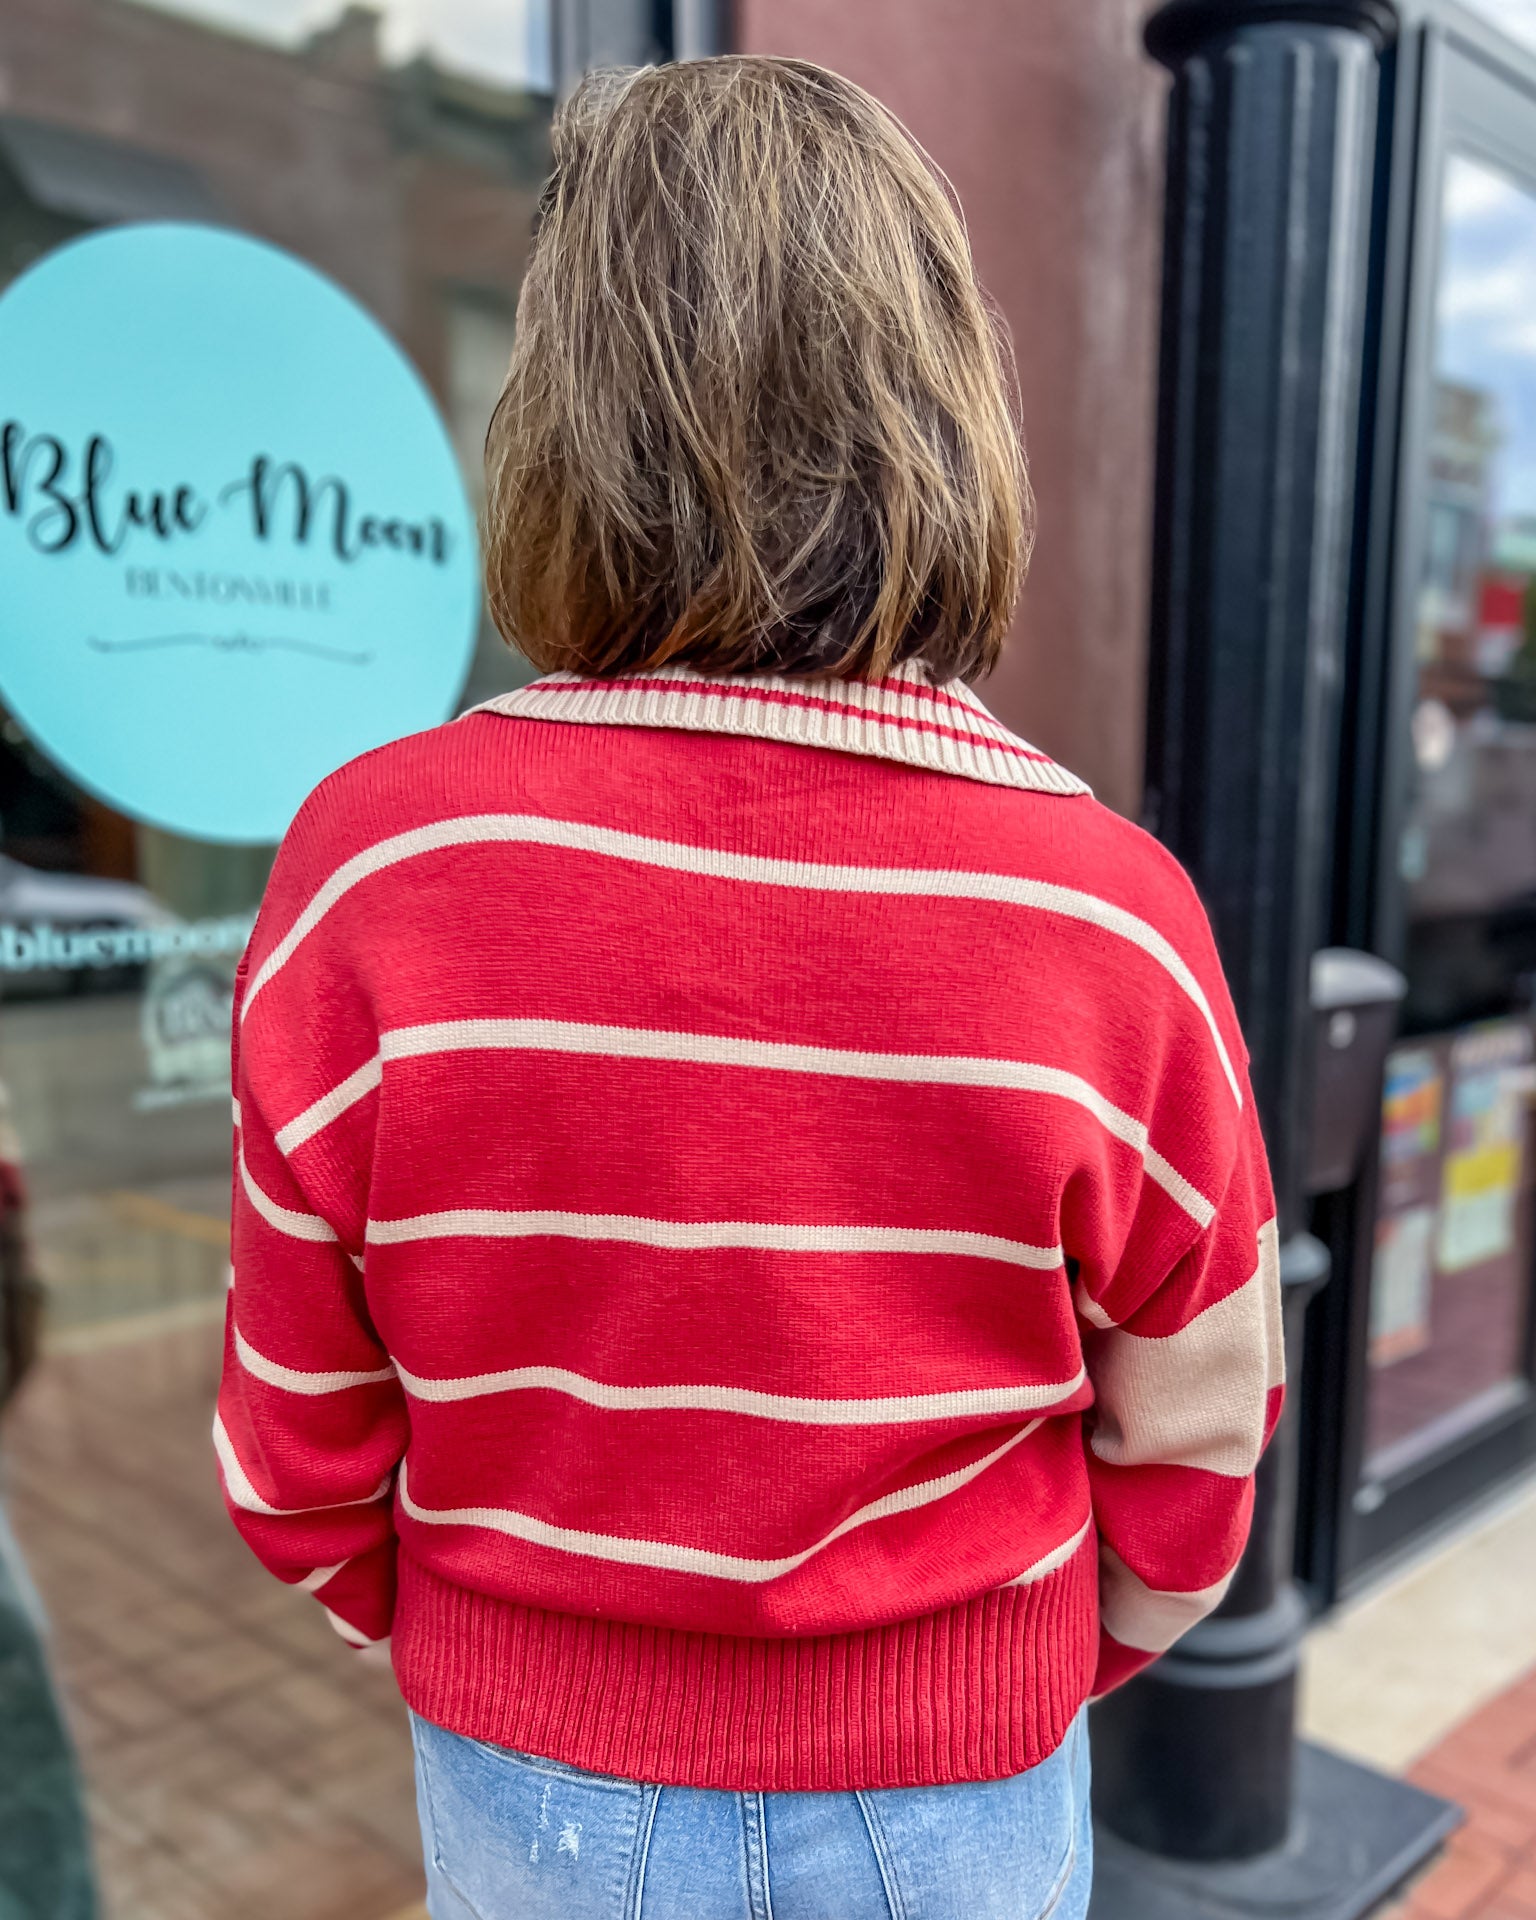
<point>757,417</point>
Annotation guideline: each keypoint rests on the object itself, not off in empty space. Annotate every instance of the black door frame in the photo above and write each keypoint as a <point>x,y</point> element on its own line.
<point>1456,84</point>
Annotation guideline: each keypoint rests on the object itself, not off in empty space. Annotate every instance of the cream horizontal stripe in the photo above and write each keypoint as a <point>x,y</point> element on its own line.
<point>354,1636</point>
<point>291,1380</point>
<point>1198,1397</point>
<point>668,1558</point>
<point>298,1226</point>
<point>238,1485</point>
<point>710,1049</point>
<point>967,1403</point>
<point>329,1106</point>
<point>1142,1617</point>
<point>769,1235</point>
<point>1168,1177</point>
<point>714,863</point>
<point>1268,1278</point>
<point>1057,1557</point>
<point>313,1582</point>
<point>1089,1308</point>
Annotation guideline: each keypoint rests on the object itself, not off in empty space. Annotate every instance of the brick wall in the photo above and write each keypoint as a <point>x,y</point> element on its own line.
<point>313,150</point>
<point>1047,117</point>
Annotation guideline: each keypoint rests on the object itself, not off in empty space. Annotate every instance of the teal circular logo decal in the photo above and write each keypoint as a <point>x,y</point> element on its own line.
<point>235,550</point>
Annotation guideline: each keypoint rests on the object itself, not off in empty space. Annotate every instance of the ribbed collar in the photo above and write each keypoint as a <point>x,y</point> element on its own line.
<point>902,716</point>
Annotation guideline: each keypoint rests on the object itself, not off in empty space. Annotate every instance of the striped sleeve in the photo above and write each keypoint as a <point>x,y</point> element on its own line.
<point>1188,1389</point>
<point>311,1422</point>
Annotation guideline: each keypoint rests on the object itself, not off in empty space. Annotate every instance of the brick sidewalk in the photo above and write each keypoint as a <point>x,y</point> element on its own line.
<point>240,1763</point>
<point>1488,1766</point>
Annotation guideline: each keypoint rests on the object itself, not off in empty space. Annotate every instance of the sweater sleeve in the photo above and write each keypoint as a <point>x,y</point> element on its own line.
<point>1188,1388</point>
<point>312,1422</point>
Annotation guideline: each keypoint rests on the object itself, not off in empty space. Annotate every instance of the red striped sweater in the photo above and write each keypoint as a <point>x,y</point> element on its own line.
<point>753,1254</point>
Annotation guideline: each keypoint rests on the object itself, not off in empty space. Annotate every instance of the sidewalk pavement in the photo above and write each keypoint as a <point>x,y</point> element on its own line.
<point>240,1763</point>
<point>1488,1766</point>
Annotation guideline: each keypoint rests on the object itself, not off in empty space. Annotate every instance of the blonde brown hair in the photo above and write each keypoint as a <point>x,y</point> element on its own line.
<point>757,415</point>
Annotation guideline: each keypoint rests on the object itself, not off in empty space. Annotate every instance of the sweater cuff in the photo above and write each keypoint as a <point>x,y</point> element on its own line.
<point>359,1596</point>
<point>1117,1664</point>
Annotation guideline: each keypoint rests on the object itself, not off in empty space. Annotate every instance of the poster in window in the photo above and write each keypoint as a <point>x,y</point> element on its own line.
<point>1402,1272</point>
<point>1413,1098</point>
<point>1485,1144</point>
<point>1401,1278</point>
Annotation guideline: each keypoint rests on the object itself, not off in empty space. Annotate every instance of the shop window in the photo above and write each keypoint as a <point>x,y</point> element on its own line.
<point>397,150</point>
<point>1451,1284</point>
<point>480,328</point>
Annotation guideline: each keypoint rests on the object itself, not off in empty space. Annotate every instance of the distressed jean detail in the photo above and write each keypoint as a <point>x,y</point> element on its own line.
<point>508,1836</point>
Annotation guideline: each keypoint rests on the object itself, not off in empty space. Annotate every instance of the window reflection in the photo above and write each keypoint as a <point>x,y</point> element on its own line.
<point>1451,1283</point>
<point>236,1762</point>
<point>499,40</point>
<point>1517,18</point>
<point>1469,850</point>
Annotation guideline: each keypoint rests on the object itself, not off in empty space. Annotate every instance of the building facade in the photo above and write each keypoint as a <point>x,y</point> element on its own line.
<point>409,183</point>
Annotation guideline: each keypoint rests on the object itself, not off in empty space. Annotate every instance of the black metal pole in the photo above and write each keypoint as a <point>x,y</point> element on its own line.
<point>1203,1808</point>
<point>1271,163</point>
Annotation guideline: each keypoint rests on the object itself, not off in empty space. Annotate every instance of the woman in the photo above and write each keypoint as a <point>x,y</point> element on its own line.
<point>754,1258</point>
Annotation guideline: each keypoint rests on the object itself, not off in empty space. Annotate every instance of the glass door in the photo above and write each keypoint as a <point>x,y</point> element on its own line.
<point>1421,1380</point>
<point>1453,1252</point>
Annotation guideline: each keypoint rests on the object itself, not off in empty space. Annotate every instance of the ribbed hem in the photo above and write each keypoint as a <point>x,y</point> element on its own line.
<point>975,1692</point>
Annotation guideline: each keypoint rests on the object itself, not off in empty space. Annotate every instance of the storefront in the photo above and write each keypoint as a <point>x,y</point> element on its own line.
<point>410,187</point>
<point>377,182</point>
<point>258,271</point>
<point>1419,1389</point>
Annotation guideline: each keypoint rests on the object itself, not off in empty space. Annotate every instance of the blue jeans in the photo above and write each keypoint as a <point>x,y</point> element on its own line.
<point>508,1837</point>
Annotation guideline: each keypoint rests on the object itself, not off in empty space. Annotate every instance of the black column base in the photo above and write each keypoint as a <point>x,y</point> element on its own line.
<point>1356,1835</point>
